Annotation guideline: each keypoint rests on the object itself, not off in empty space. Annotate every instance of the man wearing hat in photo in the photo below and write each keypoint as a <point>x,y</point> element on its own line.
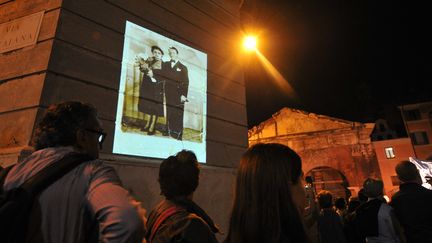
<point>176,91</point>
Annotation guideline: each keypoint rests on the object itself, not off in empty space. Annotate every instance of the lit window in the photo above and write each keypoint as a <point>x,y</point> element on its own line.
<point>389,153</point>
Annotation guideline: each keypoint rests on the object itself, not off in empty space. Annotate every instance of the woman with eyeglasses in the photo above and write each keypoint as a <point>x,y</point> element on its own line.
<point>269,197</point>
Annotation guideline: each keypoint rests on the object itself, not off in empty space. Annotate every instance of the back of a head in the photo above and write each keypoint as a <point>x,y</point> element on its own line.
<point>60,123</point>
<point>340,203</point>
<point>325,199</point>
<point>179,175</point>
<point>264,209</point>
<point>362,196</point>
<point>407,172</point>
<point>373,188</point>
<point>309,179</point>
<point>353,204</point>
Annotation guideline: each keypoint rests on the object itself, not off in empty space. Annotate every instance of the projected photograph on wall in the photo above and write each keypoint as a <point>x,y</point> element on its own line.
<point>162,98</point>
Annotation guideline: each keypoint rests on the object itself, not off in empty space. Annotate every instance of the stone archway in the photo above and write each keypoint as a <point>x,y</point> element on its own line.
<point>330,179</point>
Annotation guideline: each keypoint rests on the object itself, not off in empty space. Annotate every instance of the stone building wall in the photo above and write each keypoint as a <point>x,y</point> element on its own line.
<point>22,77</point>
<point>78,56</point>
<point>322,141</point>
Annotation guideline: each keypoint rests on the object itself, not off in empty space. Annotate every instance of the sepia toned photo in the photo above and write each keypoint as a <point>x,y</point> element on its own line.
<point>162,96</point>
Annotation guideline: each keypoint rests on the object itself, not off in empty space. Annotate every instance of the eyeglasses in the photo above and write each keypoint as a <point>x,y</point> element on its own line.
<point>101,137</point>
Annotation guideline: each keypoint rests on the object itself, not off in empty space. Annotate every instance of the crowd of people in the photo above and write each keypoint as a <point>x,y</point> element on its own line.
<point>369,217</point>
<point>272,201</point>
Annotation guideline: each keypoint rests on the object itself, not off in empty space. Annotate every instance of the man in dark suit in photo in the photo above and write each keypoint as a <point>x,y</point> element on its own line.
<point>176,91</point>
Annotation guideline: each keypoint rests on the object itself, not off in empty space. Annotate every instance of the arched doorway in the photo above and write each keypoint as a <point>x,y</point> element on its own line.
<point>330,179</point>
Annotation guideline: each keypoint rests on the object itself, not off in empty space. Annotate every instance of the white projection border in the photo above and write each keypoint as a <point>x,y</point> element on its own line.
<point>129,139</point>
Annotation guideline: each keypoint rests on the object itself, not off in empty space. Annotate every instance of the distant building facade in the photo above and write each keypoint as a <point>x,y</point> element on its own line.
<point>338,154</point>
<point>418,123</point>
<point>382,131</point>
<point>389,153</point>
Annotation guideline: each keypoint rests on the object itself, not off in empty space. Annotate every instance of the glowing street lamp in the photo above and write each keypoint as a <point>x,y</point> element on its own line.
<point>250,43</point>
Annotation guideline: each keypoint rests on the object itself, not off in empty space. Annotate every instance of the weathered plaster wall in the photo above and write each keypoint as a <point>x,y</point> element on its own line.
<point>78,57</point>
<point>22,77</point>
<point>323,141</point>
<point>403,149</point>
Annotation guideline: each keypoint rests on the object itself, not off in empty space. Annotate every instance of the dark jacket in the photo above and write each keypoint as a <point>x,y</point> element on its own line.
<point>366,218</point>
<point>176,82</point>
<point>412,205</point>
<point>187,223</point>
<point>350,229</point>
<point>330,227</point>
<point>150,92</point>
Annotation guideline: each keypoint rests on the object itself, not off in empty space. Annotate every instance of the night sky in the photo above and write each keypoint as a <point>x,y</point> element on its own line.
<point>354,60</point>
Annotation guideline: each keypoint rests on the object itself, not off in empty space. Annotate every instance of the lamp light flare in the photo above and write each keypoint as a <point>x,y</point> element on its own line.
<point>250,43</point>
<point>282,83</point>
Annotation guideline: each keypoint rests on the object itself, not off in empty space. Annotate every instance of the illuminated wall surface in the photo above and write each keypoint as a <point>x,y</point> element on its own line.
<point>323,142</point>
<point>132,117</point>
<point>401,149</point>
<point>418,124</point>
<point>84,50</point>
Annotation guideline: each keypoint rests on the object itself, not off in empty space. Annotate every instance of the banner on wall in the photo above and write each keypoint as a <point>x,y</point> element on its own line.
<point>425,169</point>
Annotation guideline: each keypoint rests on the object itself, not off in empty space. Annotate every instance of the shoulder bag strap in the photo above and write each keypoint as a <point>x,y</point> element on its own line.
<point>38,182</point>
<point>166,214</point>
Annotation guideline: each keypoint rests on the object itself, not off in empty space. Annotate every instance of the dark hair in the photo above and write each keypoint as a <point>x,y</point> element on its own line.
<point>264,210</point>
<point>309,179</point>
<point>353,204</point>
<point>325,199</point>
<point>60,123</point>
<point>156,48</point>
<point>407,171</point>
<point>340,203</point>
<point>362,196</point>
<point>179,175</point>
<point>373,187</point>
<point>173,48</point>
